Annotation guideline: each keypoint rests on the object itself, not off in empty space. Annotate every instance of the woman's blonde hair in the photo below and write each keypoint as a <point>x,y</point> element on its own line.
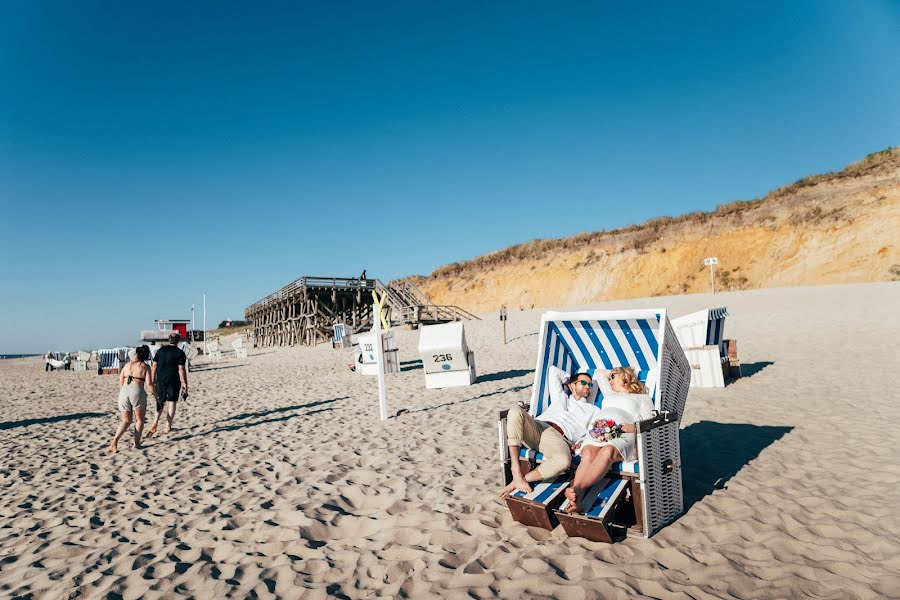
<point>629,380</point>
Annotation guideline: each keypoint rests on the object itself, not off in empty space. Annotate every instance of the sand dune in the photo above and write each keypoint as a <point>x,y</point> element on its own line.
<point>282,482</point>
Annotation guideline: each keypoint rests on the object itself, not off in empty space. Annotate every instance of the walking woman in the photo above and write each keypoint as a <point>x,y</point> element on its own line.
<point>132,396</point>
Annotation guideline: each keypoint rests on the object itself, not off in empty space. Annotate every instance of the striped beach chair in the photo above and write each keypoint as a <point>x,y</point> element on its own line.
<point>108,361</point>
<point>645,341</point>
<point>702,336</point>
<point>341,337</point>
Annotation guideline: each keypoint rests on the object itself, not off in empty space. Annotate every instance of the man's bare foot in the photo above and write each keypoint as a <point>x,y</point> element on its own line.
<point>112,447</point>
<point>136,446</point>
<point>150,433</point>
<point>574,505</point>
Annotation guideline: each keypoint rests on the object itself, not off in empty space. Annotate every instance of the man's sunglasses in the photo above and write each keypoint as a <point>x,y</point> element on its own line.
<point>588,384</point>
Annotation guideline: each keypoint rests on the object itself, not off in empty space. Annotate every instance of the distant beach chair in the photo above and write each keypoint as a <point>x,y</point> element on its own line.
<point>341,337</point>
<point>239,350</point>
<point>212,350</point>
<point>365,353</point>
<point>189,352</point>
<point>81,360</point>
<point>713,359</point>
<point>446,358</point>
<point>108,361</point>
<point>645,494</point>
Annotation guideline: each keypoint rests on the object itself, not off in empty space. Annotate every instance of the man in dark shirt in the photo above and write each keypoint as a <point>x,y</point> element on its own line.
<point>170,377</point>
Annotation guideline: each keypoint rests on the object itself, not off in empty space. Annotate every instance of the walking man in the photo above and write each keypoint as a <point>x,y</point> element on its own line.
<point>170,377</point>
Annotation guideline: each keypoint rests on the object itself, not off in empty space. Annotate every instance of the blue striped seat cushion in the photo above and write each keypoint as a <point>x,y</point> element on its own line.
<point>600,498</point>
<point>545,491</point>
<point>617,467</point>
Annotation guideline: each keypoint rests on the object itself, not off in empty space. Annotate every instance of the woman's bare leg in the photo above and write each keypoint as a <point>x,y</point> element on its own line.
<point>595,462</point>
<point>123,427</point>
<point>139,426</point>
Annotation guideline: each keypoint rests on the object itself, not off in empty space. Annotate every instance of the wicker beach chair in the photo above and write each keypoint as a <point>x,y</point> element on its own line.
<point>108,361</point>
<point>365,353</point>
<point>212,350</point>
<point>446,358</point>
<point>712,358</point>
<point>651,495</point>
<point>81,360</point>
<point>341,337</point>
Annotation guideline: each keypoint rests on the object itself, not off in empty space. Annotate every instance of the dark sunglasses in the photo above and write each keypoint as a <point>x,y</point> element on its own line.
<point>588,384</point>
<point>612,376</point>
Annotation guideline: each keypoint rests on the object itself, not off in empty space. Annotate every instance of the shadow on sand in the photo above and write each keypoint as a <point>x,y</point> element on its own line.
<point>501,375</point>
<point>57,419</point>
<point>281,409</point>
<point>206,367</point>
<point>262,421</point>
<point>524,335</point>
<point>712,453</point>
<point>517,388</point>
<point>751,369</point>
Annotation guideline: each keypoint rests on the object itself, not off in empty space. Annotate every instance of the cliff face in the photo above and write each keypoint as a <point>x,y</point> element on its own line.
<point>839,227</point>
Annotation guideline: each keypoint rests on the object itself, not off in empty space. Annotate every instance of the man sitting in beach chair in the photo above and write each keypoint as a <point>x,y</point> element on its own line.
<point>553,432</point>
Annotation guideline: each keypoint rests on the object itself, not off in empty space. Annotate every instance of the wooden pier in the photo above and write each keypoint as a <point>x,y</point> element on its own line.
<point>306,310</point>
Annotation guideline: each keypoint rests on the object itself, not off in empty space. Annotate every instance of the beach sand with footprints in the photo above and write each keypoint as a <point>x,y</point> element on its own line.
<point>280,480</point>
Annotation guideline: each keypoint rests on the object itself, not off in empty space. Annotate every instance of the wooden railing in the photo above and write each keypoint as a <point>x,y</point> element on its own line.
<point>311,282</point>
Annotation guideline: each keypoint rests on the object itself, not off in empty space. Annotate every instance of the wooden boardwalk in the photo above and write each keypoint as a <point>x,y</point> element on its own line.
<point>306,310</point>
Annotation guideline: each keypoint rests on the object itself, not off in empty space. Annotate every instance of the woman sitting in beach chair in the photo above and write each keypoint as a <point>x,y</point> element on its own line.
<point>610,437</point>
<point>554,431</point>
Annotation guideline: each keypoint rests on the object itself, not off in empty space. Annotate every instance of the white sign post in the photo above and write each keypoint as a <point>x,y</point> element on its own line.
<point>379,360</point>
<point>712,261</point>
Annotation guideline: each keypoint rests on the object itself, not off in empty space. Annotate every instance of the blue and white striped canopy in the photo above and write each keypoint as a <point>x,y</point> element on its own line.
<point>716,328</point>
<point>575,341</point>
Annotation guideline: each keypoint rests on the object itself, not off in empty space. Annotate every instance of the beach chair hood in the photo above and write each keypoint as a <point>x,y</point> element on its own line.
<point>641,339</point>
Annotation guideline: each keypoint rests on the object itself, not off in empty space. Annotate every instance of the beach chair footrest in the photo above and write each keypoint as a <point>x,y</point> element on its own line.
<point>601,502</point>
<point>536,509</point>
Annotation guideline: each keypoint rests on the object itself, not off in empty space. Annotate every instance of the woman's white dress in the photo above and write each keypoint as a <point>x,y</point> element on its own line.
<point>621,408</point>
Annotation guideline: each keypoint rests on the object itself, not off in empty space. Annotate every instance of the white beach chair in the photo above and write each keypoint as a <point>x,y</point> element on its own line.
<point>645,341</point>
<point>81,360</point>
<point>446,358</point>
<point>341,337</point>
<point>212,350</point>
<point>239,350</point>
<point>189,352</point>
<point>365,354</point>
<point>701,335</point>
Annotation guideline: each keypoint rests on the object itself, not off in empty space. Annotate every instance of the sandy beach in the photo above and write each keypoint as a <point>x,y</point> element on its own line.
<point>281,482</point>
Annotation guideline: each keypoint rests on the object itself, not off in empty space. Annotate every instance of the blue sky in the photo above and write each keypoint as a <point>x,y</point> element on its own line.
<point>155,151</point>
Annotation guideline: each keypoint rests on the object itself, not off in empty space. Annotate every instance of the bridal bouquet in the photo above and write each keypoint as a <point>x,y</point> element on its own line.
<point>604,430</point>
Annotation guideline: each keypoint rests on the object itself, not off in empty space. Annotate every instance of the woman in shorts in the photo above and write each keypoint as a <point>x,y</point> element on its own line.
<point>132,397</point>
